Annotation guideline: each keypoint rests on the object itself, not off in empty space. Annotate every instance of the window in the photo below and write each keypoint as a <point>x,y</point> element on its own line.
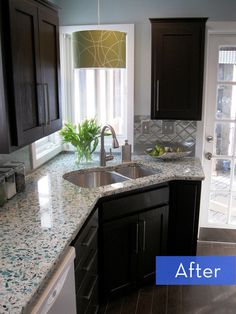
<point>45,149</point>
<point>106,94</point>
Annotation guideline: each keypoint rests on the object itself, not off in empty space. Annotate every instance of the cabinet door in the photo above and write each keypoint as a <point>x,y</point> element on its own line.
<point>153,228</point>
<point>26,95</point>
<point>177,68</point>
<point>118,255</point>
<point>183,217</point>
<point>49,58</point>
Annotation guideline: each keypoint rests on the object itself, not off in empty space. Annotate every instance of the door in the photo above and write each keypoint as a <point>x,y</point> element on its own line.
<point>118,255</point>
<point>219,189</point>
<point>153,228</point>
<point>27,90</point>
<point>49,58</point>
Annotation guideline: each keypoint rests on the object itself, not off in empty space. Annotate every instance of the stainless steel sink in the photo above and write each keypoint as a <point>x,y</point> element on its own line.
<point>134,171</point>
<point>93,178</point>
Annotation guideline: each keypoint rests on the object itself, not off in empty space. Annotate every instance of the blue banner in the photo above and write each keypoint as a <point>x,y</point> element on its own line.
<point>195,270</point>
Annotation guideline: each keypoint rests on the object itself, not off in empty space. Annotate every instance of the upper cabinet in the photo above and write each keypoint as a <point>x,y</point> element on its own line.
<point>30,72</point>
<point>177,68</point>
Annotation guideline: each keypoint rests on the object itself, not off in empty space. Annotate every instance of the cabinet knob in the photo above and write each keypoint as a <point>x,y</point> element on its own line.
<point>208,156</point>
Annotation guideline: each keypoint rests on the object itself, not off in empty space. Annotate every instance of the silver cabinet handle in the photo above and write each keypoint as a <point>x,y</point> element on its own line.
<point>144,235</point>
<point>91,289</point>
<point>137,232</point>
<point>41,103</point>
<point>89,236</point>
<point>157,95</point>
<point>89,261</point>
<point>46,104</point>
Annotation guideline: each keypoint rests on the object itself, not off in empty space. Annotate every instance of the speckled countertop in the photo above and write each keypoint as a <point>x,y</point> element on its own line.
<point>37,225</point>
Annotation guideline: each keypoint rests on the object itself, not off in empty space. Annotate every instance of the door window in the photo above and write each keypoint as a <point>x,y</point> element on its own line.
<point>220,186</point>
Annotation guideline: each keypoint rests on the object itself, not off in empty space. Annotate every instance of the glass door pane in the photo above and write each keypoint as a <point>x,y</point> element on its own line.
<point>222,202</point>
<point>227,64</point>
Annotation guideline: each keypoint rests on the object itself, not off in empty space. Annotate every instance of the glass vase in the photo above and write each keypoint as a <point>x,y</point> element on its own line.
<point>82,155</point>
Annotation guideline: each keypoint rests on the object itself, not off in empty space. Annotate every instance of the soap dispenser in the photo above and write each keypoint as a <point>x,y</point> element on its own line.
<point>126,152</point>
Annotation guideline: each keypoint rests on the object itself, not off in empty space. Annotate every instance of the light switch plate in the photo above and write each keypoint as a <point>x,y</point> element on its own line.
<point>168,127</point>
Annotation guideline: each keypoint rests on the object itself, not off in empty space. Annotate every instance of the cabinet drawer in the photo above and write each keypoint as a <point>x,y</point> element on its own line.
<point>87,295</point>
<point>86,240</point>
<point>92,309</point>
<point>83,248</point>
<point>126,205</point>
<point>88,266</point>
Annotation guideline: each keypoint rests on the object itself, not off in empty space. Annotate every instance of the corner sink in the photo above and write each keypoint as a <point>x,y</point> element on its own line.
<point>93,178</point>
<point>134,171</point>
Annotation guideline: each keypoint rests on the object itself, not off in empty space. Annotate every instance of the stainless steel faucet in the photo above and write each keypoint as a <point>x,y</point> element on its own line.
<point>115,144</point>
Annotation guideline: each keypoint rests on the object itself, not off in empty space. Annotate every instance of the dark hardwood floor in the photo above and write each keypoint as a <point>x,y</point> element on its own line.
<point>181,299</point>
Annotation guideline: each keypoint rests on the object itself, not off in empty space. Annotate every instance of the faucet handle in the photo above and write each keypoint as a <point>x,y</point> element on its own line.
<point>109,156</point>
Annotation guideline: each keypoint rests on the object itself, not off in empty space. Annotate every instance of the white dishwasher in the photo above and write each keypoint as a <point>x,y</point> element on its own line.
<point>59,295</point>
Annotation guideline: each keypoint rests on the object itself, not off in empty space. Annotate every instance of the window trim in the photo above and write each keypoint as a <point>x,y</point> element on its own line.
<point>129,29</point>
<point>47,152</point>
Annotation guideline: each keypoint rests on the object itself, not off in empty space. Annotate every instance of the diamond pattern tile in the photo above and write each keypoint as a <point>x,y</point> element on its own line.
<point>185,133</point>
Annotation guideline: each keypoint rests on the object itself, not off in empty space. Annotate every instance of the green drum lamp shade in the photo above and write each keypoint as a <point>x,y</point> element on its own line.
<point>99,49</point>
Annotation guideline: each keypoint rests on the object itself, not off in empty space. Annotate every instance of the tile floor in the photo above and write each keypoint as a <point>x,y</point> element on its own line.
<point>181,299</point>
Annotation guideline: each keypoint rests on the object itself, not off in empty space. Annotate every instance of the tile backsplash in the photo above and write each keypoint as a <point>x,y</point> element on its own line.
<point>184,133</point>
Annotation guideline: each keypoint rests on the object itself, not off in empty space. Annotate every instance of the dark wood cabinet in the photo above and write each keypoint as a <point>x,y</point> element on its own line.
<point>117,246</point>
<point>153,231</point>
<point>49,53</point>
<point>177,68</point>
<point>30,60</point>
<point>183,217</point>
<point>118,255</point>
<point>129,243</point>
<point>86,266</point>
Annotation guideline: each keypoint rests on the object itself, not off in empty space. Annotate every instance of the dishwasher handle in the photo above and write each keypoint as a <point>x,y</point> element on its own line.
<point>57,289</point>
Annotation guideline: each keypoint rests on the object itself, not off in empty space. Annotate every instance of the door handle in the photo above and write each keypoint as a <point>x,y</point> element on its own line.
<point>209,139</point>
<point>208,155</point>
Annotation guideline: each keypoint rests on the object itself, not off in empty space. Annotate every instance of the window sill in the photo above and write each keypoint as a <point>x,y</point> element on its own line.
<point>45,154</point>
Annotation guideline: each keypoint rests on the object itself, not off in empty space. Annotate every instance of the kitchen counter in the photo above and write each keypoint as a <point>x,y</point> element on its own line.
<point>37,225</point>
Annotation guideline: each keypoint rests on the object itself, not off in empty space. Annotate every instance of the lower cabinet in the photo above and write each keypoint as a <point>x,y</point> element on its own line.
<point>122,238</point>
<point>118,255</point>
<point>86,267</point>
<point>153,228</point>
<point>183,217</point>
<point>128,245</point>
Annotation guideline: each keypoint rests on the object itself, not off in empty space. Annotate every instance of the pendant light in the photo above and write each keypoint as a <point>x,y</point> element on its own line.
<point>99,48</point>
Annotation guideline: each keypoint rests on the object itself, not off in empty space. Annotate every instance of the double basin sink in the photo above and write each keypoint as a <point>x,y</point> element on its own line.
<point>92,178</point>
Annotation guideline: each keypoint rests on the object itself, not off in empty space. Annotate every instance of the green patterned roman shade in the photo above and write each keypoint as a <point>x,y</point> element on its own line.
<point>99,49</point>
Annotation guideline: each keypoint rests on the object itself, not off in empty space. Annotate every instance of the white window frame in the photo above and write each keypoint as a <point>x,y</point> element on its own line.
<point>45,149</point>
<point>129,29</point>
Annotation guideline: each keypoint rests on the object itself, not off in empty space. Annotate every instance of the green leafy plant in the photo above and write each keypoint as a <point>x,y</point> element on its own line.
<point>84,137</point>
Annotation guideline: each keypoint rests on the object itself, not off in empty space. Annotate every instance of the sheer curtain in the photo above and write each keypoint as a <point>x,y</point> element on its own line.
<point>102,94</point>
